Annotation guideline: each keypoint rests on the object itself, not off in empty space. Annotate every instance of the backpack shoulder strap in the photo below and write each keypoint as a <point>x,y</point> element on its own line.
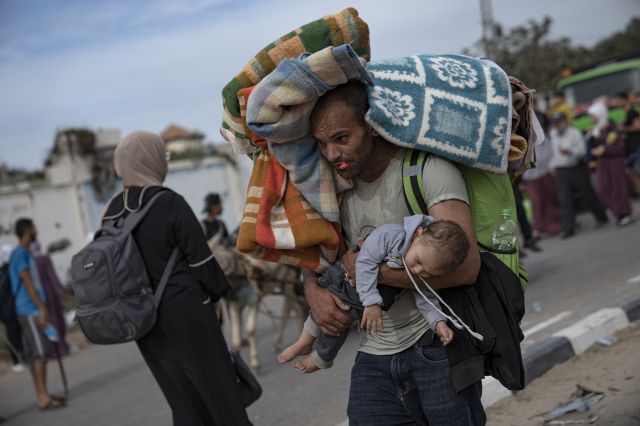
<point>132,220</point>
<point>412,184</point>
<point>157,296</point>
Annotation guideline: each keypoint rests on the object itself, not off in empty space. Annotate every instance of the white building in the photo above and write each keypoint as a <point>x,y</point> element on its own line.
<point>69,203</point>
<point>180,140</point>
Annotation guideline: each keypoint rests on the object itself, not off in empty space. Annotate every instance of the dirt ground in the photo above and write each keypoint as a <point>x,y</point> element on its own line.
<point>613,370</point>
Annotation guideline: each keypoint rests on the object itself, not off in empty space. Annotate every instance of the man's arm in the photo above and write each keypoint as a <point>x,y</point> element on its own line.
<point>459,212</point>
<point>31,291</point>
<point>326,307</point>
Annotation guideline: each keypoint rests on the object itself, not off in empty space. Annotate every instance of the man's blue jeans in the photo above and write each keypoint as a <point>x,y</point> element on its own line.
<point>413,387</point>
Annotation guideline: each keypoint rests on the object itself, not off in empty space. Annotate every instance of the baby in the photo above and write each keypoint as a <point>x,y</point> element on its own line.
<point>430,248</point>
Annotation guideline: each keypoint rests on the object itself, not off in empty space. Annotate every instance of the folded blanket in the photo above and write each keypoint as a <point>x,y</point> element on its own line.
<point>279,109</point>
<point>450,105</point>
<point>278,225</point>
<point>345,27</point>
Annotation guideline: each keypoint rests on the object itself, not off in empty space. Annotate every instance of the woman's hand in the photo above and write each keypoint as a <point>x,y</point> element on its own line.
<point>217,307</point>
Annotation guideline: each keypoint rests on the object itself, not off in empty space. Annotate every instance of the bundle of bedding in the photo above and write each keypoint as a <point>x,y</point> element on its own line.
<point>464,109</point>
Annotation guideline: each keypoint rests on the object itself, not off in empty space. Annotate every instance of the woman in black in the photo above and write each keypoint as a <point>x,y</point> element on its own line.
<point>186,350</point>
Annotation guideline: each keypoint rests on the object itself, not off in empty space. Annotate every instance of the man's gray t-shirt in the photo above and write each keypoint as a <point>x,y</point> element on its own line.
<point>371,204</point>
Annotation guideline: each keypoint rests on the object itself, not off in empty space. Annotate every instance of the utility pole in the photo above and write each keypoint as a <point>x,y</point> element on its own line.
<point>486,13</point>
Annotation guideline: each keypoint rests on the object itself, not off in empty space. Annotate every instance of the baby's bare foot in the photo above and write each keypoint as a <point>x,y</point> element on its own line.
<point>293,351</point>
<point>306,365</point>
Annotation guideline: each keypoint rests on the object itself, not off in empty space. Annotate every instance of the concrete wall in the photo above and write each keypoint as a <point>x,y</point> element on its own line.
<point>73,211</point>
<point>57,212</point>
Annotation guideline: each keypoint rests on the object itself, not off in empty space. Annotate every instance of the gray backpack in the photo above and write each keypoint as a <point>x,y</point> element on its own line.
<point>115,300</point>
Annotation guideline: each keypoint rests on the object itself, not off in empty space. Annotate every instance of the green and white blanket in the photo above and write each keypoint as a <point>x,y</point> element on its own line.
<point>454,106</point>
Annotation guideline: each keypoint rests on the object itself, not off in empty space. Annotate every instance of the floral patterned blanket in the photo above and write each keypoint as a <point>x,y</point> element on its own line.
<point>451,105</point>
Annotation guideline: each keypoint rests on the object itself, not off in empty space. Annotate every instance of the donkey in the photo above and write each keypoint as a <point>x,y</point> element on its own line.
<point>251,280</point>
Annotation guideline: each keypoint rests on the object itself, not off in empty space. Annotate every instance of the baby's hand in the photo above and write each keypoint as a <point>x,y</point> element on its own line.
<point>445,333</point>
<point>372,319</point>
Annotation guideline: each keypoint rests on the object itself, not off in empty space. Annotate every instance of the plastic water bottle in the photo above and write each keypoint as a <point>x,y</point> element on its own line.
<point>505,232</point>
<point>51,333</point>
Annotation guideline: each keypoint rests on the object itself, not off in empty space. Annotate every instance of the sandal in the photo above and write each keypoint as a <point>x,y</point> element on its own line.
<point>62,399</point>
<point>52,404</point>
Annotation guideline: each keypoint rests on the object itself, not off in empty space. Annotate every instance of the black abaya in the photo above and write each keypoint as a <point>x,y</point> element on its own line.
<point>186,350</point>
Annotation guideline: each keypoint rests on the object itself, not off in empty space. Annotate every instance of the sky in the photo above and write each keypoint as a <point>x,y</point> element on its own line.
<point>145,64</point>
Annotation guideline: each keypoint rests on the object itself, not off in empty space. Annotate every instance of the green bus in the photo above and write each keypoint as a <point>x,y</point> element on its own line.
<point>607,79</point>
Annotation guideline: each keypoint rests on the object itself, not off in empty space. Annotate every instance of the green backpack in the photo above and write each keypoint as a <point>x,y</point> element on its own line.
<point>488,193</point>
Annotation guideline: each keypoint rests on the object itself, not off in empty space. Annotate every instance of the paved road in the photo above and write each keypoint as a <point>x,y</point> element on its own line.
<point>111,386</point>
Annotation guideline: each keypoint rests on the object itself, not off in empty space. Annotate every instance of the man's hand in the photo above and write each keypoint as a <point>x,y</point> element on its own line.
<point>43,316</point>
<point>372,319</point>
<point>598,151</point>
<point>349,266</point>
<point>349,262</point>
<point>327,309</point>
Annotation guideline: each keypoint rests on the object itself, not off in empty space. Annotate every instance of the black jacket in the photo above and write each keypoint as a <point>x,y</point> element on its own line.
<point>493,307</point>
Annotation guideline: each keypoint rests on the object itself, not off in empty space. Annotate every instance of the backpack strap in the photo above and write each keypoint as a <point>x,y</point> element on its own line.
<point>412,185</point>
<point>157,296</point>
<point>133,218</point>
<point>413,188</point>
<point>131,221</point>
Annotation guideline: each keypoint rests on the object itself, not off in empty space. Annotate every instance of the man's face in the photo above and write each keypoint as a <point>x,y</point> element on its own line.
<point>343,139</point>
<point>216,209</point>
<point>33,233</point>
<point>561,125</point>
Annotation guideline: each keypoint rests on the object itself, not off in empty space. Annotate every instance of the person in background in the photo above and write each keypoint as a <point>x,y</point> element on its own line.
<point>185,350</point>
<point>13,334</point>
<point>44,273</point>
<point>559,104</point>
<point>631,128</point>
<point>607,146</point>
<point>541,189</point>
<point>212,225</point>
<point>32,314</point>
<point>571,174</point>
<point>523,222</point>
<point>220,243</point>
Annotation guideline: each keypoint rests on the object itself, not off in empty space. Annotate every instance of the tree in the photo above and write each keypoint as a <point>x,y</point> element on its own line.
<point>9,175</point>
<point>528,53</point>
<point>619,43</point>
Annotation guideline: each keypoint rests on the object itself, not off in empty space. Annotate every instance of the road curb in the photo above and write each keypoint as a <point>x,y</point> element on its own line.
<point>567,343</point>
<point>544,355</point>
